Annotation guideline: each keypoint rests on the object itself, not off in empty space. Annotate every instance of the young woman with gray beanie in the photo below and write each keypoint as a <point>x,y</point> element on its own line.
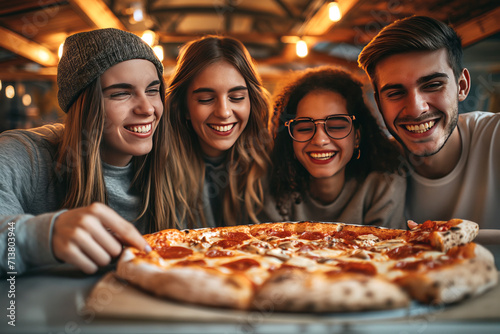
<point>76,192</point>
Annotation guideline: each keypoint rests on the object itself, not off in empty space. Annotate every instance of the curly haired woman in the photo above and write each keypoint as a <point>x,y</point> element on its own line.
<point>331,161</point>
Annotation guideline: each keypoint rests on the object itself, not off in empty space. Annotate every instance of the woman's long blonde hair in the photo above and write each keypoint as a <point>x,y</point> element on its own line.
<point>247,161</point>
<point>79,163</point>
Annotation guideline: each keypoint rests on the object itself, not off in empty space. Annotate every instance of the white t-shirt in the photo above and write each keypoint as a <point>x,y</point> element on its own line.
<point>472,190</point>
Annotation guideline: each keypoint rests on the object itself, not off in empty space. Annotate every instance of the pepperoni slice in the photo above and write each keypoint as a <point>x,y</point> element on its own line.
<point>430,225</point>
<point>231,239</point>
<point>174,252</point>
<point>218,253</point>
<point>312,235</point>
<point>197,263</point>
<point>280,234</point>
<point>346,235</point>
<point>236,236</point>
<point>242,264</point>
<point>227,243</point>
<point>363,268</point>
<point>403,252</point>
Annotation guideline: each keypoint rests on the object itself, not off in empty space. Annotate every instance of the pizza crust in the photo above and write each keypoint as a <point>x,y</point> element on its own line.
<point>451,284</point>
<point>458,235</point>
<point>190,284</point>
<point>296,290</point>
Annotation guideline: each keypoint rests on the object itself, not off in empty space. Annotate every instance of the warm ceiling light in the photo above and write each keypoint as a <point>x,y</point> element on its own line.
<point>137,12</point>
<point>158,50</point>
<point>26,100</point>
<point>301,48</point>
<point>149,37</point>
<point>334,11</point>
<point>138,15</point>
<point>60,50</point>
<point>43,55</point>
<point>10,92</point>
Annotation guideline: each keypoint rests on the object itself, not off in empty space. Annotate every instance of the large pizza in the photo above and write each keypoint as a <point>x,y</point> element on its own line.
<point>313,267</point>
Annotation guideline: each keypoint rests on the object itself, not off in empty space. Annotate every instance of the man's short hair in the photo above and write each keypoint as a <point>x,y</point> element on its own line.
<point>415,33</point>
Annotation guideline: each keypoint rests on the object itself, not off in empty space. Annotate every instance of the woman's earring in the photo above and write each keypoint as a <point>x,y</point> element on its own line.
<point>359,152</point>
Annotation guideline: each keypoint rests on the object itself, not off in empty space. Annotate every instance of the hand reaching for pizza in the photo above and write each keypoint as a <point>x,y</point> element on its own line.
<point>92,236</point>
<point>411,224</point>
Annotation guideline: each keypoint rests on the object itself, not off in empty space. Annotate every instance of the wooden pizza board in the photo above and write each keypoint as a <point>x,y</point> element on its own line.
<point>114,298</point>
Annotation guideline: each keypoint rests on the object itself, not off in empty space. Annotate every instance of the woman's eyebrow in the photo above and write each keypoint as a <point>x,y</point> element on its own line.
<point>118,86</point>
<point>124,85</point>
<point>154,83</point>
<point>234,89</point>
<point>211,90</point>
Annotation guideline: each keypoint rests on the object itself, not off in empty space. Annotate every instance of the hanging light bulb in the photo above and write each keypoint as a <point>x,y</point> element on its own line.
<point>158,50</point>
<point>138,15</point>
<point>334,11</point>
<point>149,37</point>
<point>60,50</point>
<point>10,92</point>
<point>26,100</point>
<point>301,49</point>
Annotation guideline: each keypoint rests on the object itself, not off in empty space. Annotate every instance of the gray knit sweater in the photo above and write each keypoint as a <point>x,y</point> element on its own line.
<point>378,200</point>
<point>31,194</point>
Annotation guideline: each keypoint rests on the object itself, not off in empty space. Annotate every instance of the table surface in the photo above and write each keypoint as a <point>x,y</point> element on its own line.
<point>54,300</point>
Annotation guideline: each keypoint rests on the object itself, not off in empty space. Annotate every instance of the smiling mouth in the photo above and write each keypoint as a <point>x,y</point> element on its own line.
<point>140,128</point>
<point>322,156</point>
<point>222,128</point>
<point>424,127</point>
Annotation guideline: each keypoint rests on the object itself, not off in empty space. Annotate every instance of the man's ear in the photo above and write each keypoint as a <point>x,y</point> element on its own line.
<point>463,85</point>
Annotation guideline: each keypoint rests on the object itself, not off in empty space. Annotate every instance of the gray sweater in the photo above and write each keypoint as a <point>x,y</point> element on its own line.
<point>31,194</point>
<point>378,200</point>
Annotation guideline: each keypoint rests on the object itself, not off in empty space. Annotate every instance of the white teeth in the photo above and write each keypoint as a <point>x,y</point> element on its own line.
<point>140,128</point>
<point>221,128</point>
<point>420,128</point>
<point>322,156</point>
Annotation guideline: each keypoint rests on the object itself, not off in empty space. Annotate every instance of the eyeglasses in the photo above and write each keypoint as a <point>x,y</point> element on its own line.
<point>304,128</point>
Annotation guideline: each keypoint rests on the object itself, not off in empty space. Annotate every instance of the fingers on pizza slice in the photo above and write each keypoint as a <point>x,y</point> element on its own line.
<point>296,290</point>
<point>452,283</point>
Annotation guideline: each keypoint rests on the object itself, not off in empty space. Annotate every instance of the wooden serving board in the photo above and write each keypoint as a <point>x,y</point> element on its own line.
<point>114,298</point>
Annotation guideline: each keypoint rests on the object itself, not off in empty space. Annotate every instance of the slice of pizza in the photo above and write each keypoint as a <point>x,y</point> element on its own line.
<point>443,235</point>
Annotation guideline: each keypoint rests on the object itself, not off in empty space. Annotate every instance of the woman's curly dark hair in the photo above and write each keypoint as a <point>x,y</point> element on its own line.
<point>378,152</point>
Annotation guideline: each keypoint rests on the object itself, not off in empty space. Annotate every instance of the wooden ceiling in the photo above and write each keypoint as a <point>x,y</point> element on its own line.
<point>32,30</point>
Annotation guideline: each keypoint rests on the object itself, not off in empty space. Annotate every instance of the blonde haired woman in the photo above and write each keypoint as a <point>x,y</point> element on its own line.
<point>77,192</point>
<point>219,113</point>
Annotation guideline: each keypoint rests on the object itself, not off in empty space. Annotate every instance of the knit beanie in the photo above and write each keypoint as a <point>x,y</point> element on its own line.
<point>87,55</point>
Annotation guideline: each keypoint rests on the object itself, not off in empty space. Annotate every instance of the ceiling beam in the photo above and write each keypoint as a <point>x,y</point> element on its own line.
<point>26,48</point>
<point>480,27</point>
<point>320,23</point>
<point>285,8</point>
<point>46,74</point>
<point>211,10</point>
<point>98,13</point>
